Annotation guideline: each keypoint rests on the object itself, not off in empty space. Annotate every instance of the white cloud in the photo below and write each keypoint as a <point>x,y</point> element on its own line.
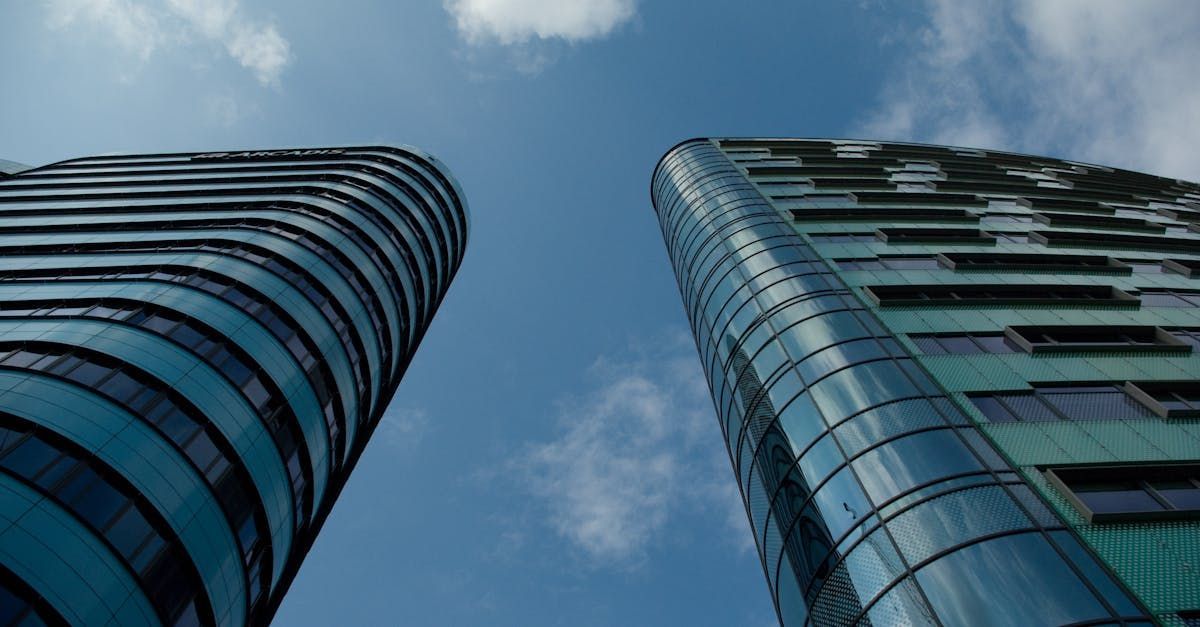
<point>145,27</point>
<point>132,26</point>
<point>637,452</point>
<point>1094,80</point>
<point>519,21</point>
<point>403,427</point>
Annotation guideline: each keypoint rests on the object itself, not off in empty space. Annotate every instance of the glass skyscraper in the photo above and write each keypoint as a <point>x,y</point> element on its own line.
<point>194,350</point>
<point>958,387</point>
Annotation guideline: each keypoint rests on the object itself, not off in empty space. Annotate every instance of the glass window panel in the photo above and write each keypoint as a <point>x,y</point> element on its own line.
<point>1180,494</point>
<point>979,580</point>
<point>89,373</point>
<point>993,409</point>
<point>911,263</point>
<point>187,336</point>
<point>928,345</point>
<point>149,554</point>
<point>129,531</point>
<point>958,344</point>
<point>176,424</point>
<point>1116,497</point>
<point>1109,404</point>
<point>29,458</point>
<point>1028,407</point>
<point>1159,299</point>
<point>56,471</point>
<point>995,344</point>
<point>122,387</point>
<point>22,359</point>
<point>202,450</point>
<point>158,324</point>
<point>93,497</point>
<point>906,462</point>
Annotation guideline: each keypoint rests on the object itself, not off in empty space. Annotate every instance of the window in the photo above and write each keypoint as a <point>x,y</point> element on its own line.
<point>1169,399</point>
<point>934,235</point>
<point>1063,204</point>
<point>841,238</point>
<point>1130,492</point>
<point>1056,339</point>
<point>919,198</point>
<point>1020,237</point>
<point>1025,262</point>
<point>1006,219</point>
<point>1114,240</point>
<point>1049,403</point>
<point>1070,220</point>
<point>922,262</point>
<point>1143,266</point>
<point>1189,268</point>
<point>1158,297</point>
<point>963,343</point>
<point>886,214</point>
<point>998,294</point>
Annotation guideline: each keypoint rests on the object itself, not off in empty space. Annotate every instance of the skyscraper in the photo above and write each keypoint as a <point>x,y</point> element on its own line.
<point>194,350</point>
<point>958,387</point>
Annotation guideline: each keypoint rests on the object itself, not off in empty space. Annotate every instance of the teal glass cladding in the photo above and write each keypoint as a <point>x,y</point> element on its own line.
<point>873,497</point>
<point>194,350</point>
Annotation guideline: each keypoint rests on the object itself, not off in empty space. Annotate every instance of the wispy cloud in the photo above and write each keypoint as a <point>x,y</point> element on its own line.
<point>1094,80</point>
<point>519,21</point>
<point>403,427</point>
<point>142,28</point>
<point>639,450</point>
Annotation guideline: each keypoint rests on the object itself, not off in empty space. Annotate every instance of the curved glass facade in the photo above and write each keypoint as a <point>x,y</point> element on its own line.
<point>194,350</point>
<point>814,271</point>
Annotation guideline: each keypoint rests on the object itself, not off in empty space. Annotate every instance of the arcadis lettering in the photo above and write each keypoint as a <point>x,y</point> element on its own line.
<point>260,154</point>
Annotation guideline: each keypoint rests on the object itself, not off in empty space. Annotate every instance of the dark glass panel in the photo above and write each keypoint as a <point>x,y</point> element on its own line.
<point>28,459</point>
<point>93,497</point>
<point>1181,494</point>
<point>995,344</point>
<point>958,344</point>
<point>88,373</point>
<point>1116,497</point>
<point>992,409</point>
<point>129,531</point>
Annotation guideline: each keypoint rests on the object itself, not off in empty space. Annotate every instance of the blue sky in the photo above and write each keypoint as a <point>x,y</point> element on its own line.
<point>552,457</point>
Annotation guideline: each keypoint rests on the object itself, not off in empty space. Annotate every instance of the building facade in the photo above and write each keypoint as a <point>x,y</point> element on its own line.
<point>958,387</point>
<point>194,350</point>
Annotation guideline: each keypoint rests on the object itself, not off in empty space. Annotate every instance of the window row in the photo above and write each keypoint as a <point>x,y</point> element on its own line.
<point>112,508</point>
<point>994,262</point>
<point>177,420</point>
<point>1049,339</point>
<point>1092,401</point>
<point>997,294</point>
<point>931,235</point>
<point>1130,492</point>
<point>225,357</point>
<point>250,301</point>
<point>317,293</point>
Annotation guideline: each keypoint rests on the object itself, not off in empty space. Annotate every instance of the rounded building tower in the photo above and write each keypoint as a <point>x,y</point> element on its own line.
<point>958,387</point>
<point>194,350</point>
